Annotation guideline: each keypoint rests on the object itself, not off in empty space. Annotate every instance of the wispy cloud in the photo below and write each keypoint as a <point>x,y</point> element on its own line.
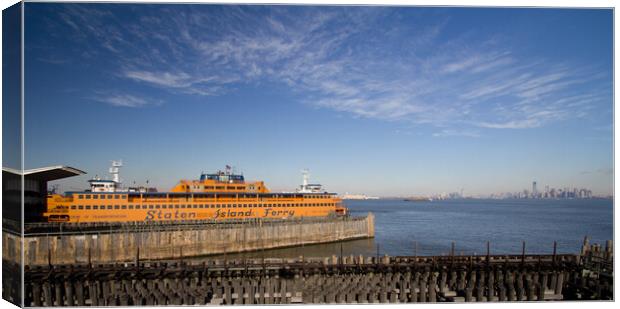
<point>450,133</point>
<point>353,61</point>
<point>125,100</point>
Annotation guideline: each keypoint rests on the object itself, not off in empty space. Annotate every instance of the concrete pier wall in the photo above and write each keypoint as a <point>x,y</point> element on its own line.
<point>150,243</point>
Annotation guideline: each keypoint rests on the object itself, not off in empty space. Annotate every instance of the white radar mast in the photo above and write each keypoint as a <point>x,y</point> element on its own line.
<point>114,169</point>
<point>306,187</point>
<point>306,176</point>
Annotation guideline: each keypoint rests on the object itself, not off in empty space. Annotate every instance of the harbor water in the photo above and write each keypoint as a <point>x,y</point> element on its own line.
<point>429,228</point>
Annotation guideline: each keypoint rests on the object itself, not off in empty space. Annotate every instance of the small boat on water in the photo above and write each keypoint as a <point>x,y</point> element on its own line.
<point>418,199</point>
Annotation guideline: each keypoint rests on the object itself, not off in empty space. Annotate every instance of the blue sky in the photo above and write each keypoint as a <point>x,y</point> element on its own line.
<point>376,100</point>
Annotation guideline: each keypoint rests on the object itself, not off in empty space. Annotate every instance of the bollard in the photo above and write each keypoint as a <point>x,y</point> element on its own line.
<point>510,286</point>
<point>490,286</point>
<point>58,293</point>
<point>372,297</point>
<point>414,288</point>
<point>559,284</point>
<point>543,286</point>
<point>519,286</point>
<point>529,287</point>
<point>502,293</point>
<point>432,292</point>
<point>443,282</point>
<point>69,293</point>
<point>462,281</point>
<point>47,294</point>
<point>452,284</point>
<point>340,297</point>
<point>79,293</point>
<point>383,296</point>
<point>36,294</point>
<point>468,294</point>
<point>422,295</point>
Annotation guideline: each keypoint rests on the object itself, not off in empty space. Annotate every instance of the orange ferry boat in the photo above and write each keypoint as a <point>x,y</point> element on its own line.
<point>218,196</point>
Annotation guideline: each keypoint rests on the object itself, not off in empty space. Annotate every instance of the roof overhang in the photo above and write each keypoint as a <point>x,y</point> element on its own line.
<point>47,173</point>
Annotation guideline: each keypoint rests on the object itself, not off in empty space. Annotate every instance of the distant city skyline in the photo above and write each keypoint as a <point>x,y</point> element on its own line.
<point>384,101</point>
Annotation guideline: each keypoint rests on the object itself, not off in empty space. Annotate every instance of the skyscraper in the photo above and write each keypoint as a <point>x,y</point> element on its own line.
<point>534,191</point>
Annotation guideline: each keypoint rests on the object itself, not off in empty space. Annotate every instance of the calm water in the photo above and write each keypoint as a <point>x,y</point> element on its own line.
<point>470,224</point>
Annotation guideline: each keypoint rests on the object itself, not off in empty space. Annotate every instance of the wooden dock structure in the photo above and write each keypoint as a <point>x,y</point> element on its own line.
<point>330,280</point>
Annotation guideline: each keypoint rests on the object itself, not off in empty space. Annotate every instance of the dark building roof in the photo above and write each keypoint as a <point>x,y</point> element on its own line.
<point>47,173</point>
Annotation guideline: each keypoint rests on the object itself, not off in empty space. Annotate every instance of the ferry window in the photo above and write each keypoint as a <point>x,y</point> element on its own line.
<point>87,207</point>
<point>176,206</point>
<point>130,206</point>
<point>157,206</point>
<point>95,197</point>
<point>95,207</point>
<point>109,196</point>
<point>116,207</point>
<point>88,196</point>
<point>123,196</point>
<point>150,206</point>
<point>116,196</point>
<point>80,207</point>
<point>80,196</point>
<point>212,206</point>
<point>109,206</point>
<point>72,206</point>
<point>123,206</point>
